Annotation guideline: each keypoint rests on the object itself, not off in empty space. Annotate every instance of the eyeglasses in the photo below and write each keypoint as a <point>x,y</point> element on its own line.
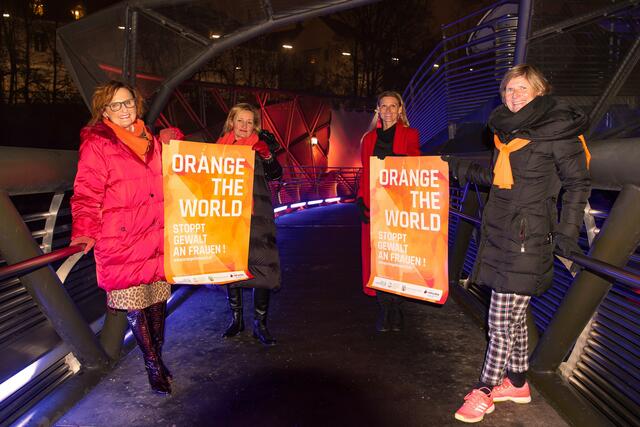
<point>116,106</point>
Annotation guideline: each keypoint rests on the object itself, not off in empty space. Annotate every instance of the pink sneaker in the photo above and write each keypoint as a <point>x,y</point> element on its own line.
<point>507,391</point>
<point>476,404</point>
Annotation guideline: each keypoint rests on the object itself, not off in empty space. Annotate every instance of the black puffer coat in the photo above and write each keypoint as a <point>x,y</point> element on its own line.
<point>520,224</point>
<point>264,259</point>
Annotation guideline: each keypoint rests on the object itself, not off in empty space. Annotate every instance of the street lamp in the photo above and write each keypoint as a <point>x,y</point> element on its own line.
<point>78,11</point>
<point>37,6</point>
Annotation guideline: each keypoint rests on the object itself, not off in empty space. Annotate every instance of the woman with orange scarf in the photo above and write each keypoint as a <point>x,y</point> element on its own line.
<point>539,151</point>
<point>117,209</point>
<point>242,127</point>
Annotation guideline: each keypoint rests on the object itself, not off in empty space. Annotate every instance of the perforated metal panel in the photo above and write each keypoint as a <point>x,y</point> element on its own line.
<point>25,333</point>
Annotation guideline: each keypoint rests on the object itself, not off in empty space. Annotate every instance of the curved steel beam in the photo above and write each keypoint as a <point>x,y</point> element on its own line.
<point>614,163</point>
<point>35,170</point>
<point>240,36</point>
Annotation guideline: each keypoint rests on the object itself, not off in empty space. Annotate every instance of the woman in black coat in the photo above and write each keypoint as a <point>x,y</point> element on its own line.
<point>539,151</point>
<point>243,127</point>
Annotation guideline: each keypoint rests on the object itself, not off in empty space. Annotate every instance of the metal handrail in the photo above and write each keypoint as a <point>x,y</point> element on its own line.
<point>610,271</point>
<point>592,264</point>
<point>27,266</point>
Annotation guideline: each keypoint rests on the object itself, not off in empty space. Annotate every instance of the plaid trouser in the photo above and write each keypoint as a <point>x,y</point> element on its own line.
<point>507,347</point>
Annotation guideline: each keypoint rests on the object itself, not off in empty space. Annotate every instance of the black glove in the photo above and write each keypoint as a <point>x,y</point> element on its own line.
<point>479,175</point>
<point>363,210</point>
<point>565,245</point>
<point>270,139</point>
<point>457,169</point>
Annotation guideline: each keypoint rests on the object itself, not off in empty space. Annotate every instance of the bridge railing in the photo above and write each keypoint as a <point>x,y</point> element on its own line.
<point>463,72</point>
<point>306,186</point>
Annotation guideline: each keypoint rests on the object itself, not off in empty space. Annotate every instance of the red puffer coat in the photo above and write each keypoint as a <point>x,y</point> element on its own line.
<point>118,201</point>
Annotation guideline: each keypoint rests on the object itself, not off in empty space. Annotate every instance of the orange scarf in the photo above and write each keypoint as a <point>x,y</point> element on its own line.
<point>586,150</point>
<point>230,138</point>
<point>502,175</point>
<point>139,140</point>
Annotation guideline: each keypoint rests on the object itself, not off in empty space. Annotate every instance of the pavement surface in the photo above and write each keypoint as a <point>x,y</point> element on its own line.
<point>329,368</point>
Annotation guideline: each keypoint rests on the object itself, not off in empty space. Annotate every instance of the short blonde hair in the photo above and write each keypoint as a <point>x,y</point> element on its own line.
<point>533,75</point>
<point>103,94</point>
<point>257,120</point>
<point>403,114</point>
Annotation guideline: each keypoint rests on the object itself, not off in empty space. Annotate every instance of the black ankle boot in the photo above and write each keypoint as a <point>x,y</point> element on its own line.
<point>234,296</point>
<point>383,324</point>
<point>140,327</point>
<point>261,307</point>
<point>156,315</point>
<point>397,318</point>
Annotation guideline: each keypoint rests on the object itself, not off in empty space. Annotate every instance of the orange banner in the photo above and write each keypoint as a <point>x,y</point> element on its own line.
<point>409,227</point>
<point>208,192</point>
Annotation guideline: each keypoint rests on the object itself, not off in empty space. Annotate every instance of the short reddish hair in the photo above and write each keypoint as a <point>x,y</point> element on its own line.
<point>103,94</point>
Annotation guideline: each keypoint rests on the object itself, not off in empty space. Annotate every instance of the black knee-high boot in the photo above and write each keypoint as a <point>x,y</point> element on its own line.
<point>234,296</point>
<point>261,307</point>
<point>140,328</point>
<point>156,315</point>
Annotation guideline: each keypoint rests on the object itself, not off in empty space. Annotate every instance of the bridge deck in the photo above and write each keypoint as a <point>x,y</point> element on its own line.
<point>330,367</point>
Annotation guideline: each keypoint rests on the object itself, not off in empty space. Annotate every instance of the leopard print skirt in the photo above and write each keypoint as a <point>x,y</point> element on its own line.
<point>138,297</point>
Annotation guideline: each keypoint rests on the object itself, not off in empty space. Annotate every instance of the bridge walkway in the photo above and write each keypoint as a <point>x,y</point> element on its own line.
<point>329,368</point>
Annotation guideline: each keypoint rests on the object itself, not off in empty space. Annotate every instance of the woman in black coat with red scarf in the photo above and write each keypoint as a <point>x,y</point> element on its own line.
<point>242,127</point>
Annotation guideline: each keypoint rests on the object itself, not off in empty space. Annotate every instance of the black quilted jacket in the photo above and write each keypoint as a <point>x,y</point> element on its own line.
<point>264,259</point>
<point>519,224</point>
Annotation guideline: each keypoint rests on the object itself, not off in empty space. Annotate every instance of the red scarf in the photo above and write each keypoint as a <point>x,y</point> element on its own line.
<point>229,138</point>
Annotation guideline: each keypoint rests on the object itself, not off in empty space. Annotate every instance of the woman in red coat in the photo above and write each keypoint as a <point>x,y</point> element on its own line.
<point>392,137</point>
<point>117,209</point>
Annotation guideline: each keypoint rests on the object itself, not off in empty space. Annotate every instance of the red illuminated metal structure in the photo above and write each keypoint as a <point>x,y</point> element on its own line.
<point>199,109</point>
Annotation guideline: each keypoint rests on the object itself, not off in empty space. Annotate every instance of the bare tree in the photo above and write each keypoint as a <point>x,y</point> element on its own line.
<point>26,69</point>
<point>386,36</point>
<point>8,28</point>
